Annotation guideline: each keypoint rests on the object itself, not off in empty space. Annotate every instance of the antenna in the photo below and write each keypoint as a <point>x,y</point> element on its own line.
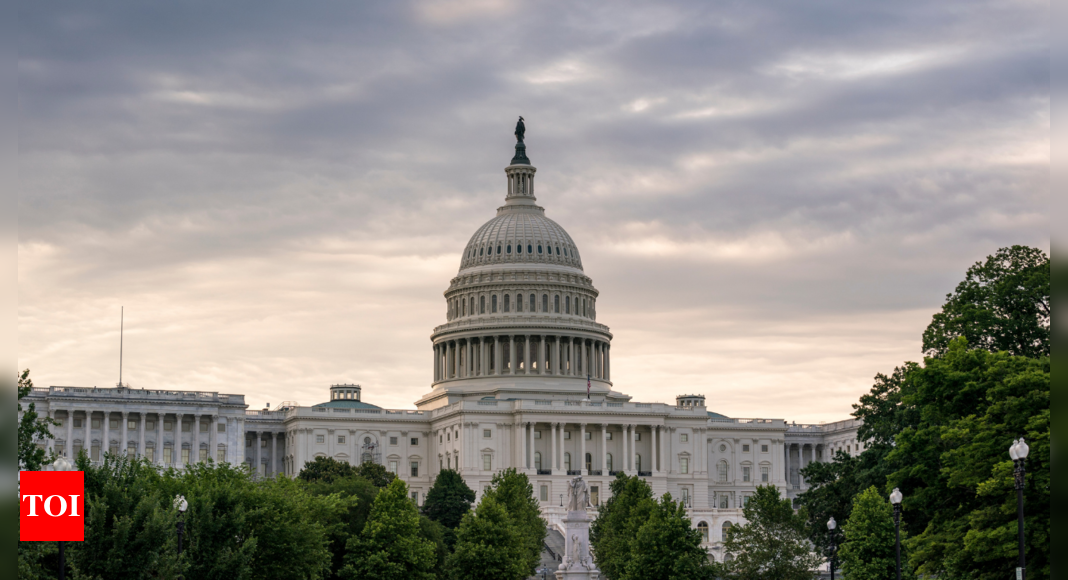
<point>122,315</point>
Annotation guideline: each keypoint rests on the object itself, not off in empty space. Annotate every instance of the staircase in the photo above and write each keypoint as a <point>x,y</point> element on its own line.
<point>552,553</point>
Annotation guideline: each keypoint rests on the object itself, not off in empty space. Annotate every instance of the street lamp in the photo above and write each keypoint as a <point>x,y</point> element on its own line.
<point>181,505</point>
<point>1018,452</point>
<point>62,464</point>
<point>831,525</point>
<point>895,498</point>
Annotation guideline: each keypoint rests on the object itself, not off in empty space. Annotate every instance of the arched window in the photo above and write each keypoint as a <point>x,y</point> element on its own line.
<point>703,528</point>
<point>481,251</point>
<point>557,250</point>
<point>481,304</point>
<point>567,305</point>
<point>498,249</point>
<point>544,302</point>
<point>493,304</point>
<point>584,307</point>
<point>565,252</point>
<point>556,304</point>
<point>589,462</point>
<point>463,308</point>
<point>533,303</point>
<point>724,471</point>
<point>728,558</point>
<point>518,302</point>
<point>519,248</point>
<point>608,460</point>
<point>530,249</point>
<point>726,527</point>
<point>539,249</point>
<point>567,461</point>
<point>507,302</point>
<point>508,249</point>
<point>537,460</point>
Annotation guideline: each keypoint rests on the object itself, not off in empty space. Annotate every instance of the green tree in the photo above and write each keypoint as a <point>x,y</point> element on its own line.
<point>447,501</point>
<point>31,429</point>
<point>391,546</point>
<point>434,533</point>
<point>1003,304</point>
<point>325,469</point>
<point>869,549</point>
<point>358,495</point>
<point>772,545</point>
<point>618,522</point>
<point>375,473</point>
<point>514,492</point>
<point>489,546</point>
<point>667,547</point>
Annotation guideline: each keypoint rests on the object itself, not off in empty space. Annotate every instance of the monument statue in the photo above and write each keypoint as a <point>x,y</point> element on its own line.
<point>578,495</point>
<point>520,130</point>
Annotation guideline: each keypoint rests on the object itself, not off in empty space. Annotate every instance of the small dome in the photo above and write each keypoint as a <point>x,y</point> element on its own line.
<point>521,235</point>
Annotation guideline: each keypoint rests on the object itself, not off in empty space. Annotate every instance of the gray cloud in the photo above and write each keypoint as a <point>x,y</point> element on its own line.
<point>773,198</point>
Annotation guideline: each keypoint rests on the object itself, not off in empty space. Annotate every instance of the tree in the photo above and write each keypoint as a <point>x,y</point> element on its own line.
<point>868,551</point>
<point>772,544</point>
<point>667,547</point>
<point>1003,304</point>
<point>391,546</point>
<point>31,429</point>
<point>489,546</point>
<point>447,501</point>
<point>325,469</point>
<point>618,522</point>
<point>359,494</point>
<point>514,492</point>
<point>375,473</point>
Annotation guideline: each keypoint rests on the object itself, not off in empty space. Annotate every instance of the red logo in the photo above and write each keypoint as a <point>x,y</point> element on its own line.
<point>51,506</point>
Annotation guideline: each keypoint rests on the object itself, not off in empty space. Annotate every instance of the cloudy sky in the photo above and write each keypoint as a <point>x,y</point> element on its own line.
<point>772,197</point>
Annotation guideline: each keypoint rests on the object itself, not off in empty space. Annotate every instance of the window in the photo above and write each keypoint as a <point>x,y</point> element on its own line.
<point>537,434</point>
<point>567,305</point>
<point>543,493</point>
<point>392,440</point>
<point>745,448</point>
<point>441,438</point>
<point>745,500</point>
<point>533,303</point>
<point>537,460</point>
<point>487,462</point>
<point>414,441</point>
<point>481,251</point>
<point>487,433</point>
<point>203,456</point>
<point>556,304</point>
<point>726,527</point>
<point>320,438</point>
<point>448,436</point>
<point>567,461</point>
<point>263,443</point>
<point>530,249</point>
<point>340,439</point>
<point>415,497</point>
<point>187,427</point>
<point>594,495</point>
<point>508,250</point>
<point>220,454</point>
<point>684,465</point>
<point>393,467</point>
<point>507,302</point>
<point>723,471</point>
<point>565,251</point>
<point>168,455</point>
<point>637,436</point>
<point>685,437</point>
<point>203,427</point>
<point>248,443</point>
<point>415,469</point>
<point>518,302</point>
<point>150,425</point>
<point>96,423</point>
<point>519,248</point>
<point>763,448</point>
<point>638,462</point>
<point>131,449</point>
<point>77,422</point>
<point>764,474</point>
<point>493,299</point>
<point>745,473</point>
<point>482,305</point>
<point>185,457</point>
<point>59,422</point>
<point>557,250</point>
<point>589,462</point>
<point>539,248</point>
<point>588,436</point>
<point>498,248</point>
<point>703,529</point>
<point>686,496</point>
<point>609,435</point>
<point>567,434</point>
<point>113,424</point>
<point>608,460</point>
<point>724,502</point>
<point>544,302</point>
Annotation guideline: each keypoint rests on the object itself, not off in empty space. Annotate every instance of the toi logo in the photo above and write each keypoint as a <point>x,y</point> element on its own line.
<point>51,506</point>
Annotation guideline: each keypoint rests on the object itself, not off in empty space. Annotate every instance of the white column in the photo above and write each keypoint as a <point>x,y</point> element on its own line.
<point>105,442</point>
<point>87,440</point>
<point>257,454</point>
<point>522,446</point>
<point>158,459</point>
<point>654,464</point>
<point>570,356</point>
<point>125,435</point>
<point>531,460</point>
<point>213,438</point>
<point>274,454</point>
<point>604,449</point>
<point>582,450</point>
<point>483,348</point>
<point>541,355</point>
<point>552,460</point>
<point>194,453</point>
<point>634,448</point>
<point>141,435</point>
<point>607,362</point>
<point>176,448</point>
<point>511,354</point>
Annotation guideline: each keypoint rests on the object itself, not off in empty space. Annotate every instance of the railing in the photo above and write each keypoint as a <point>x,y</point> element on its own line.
<point>572,404</point>
<point>615,404</point>
<point>545,472</point>
<point>574,472</point>
<point>643,405</point>
<point>546,403</point>
<point>594,471</point>
<point>488,403</point>
<point>614,472</point>
<point>645,473</point>
<point>126,392</point>
<point>319,409</point>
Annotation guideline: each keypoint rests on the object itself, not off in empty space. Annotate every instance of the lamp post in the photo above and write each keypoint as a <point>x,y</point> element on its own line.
<point>831,525</point>
<point>181,505</point>
<point>1018,452</point>
<point>895,498</point>
<point>62,464</point>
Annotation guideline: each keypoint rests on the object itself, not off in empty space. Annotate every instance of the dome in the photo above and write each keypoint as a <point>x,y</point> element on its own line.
<point>521,235</point>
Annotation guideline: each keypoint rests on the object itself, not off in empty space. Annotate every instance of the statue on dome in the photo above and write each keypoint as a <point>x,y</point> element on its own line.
<point>520,129</point>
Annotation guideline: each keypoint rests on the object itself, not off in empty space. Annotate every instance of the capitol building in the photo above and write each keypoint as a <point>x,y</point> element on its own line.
<point>522,377</point>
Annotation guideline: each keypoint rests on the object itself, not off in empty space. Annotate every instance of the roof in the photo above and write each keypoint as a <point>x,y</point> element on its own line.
<point>347,404</point>
<point>717,415</point>
<point>521,235</point>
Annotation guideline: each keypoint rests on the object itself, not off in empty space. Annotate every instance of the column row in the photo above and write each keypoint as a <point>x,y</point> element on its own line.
<point>526,354</point>
<point>629,462</point>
